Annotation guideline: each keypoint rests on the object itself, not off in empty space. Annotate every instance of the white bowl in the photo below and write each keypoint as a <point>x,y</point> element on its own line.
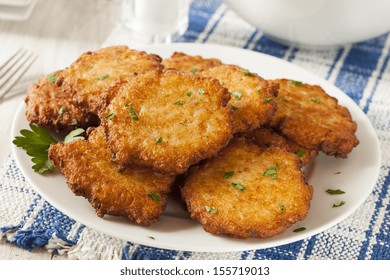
<point>316,23</point>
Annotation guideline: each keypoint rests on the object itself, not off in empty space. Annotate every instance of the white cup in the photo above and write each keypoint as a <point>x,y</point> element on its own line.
<point>156,21</point>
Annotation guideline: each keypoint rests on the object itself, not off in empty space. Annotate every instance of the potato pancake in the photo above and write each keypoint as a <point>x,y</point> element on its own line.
<point>137,193</point>
<point>252,98</point>
<point>247,191</point>
<point>167,120</point>
<point>308,116</point>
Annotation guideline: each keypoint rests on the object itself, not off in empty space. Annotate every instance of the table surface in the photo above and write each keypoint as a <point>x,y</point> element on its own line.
<point>58,32</point>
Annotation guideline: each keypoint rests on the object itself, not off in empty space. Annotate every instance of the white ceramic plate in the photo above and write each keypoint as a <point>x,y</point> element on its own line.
<point>356,175</point>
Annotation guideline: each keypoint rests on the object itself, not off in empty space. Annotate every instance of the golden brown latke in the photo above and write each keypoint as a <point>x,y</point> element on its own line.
<point>93,72</point>
<point>267,137</point>
<point>252,97</point>
<point>48,104</point>
<point>308,116</point>
<point>167,120</point>
<point>188,63</point>
<point>137,193</point>
<point>247,191</point>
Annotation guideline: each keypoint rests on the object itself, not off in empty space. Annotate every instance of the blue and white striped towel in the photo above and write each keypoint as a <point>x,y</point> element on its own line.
<point>361,70</point>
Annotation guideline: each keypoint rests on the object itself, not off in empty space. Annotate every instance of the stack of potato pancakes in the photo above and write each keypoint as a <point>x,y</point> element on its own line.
<point>231,142</point>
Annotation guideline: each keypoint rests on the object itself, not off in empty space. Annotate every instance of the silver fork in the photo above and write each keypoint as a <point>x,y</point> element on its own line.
<point>14,68</point>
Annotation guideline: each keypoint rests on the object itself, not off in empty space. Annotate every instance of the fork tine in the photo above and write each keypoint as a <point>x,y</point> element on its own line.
<point>9,59</point>
<point>8,80</point>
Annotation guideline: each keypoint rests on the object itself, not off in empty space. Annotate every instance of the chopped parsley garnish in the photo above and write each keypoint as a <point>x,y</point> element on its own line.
<point>36,143</point>
<point>267,99</point>
<point>228,174</point>
<point>103,77</point>
<point>257,90</point>
<point>179,102</point>
<point>238,186</point>
<point>189,94</point>
<point>335,192</point>
<point>158,139</point>
<point>297,83</point>
<point>133,114</point>
<point>300,153</point>
<point>151,237</point>
<point>281,207</point>
<point>74,135</point>
<point>236,94</point>
<point>52,78</point>
<point>62,110</point>
<point>234,108</point>
<point>194,70</point>
<point>110,116</point>
<point>183,123</point>
<point>272,172</point>
<point>338,205</point>
<point>210,209</point>
<point>201,91</point>
<point>247,73</point>
<point>154,196</point>
<point>315,99</point>
<point>299,229</point>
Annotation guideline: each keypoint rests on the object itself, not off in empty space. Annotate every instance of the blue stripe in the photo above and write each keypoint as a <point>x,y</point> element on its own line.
<point>214,25</point>
<point>251,39</point>
<point>199,16</point>
<point>382,188</point>
<point>379,78</point>
<point>292,55</point>
<point>284,252</point>
<point>270,47</point>
<point>310,246</point>
<point>147,253</point>
<point>336,59</point>
<point>358,66</point>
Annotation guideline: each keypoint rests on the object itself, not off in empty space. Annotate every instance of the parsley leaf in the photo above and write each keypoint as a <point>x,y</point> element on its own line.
<point>238,186</point>
<point>335,192</point>
<point>158,139</point>
<point>338,205</point>
<point>154,196</point>
<point>297,83</point>
<point>267,99</point>
<point>74,135</point>
<point>299,229</point>
<point>52,78</point>
<point>210,209</point>
<point>300,153</point>
<point>272,172</point>
<point>228,174</point>
<point>110,116</point>
<point>236,94</point>
<point>133,114</point>
<point>247,73</point>
<point>315,99</point>
<point>194,70</point>
<point>180,102</point>
<point>36,143</point>
<point>103,77</point>
<point>62,110</point>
